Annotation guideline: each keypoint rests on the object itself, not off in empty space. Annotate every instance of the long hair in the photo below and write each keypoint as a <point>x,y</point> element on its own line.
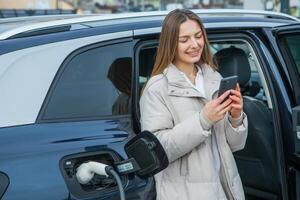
<point>169,37</point>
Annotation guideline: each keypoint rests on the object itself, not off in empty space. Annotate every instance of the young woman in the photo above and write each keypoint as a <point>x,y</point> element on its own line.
<point>199,131</point>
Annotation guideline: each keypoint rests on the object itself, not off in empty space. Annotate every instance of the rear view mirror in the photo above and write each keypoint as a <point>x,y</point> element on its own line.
<point>148,154</point>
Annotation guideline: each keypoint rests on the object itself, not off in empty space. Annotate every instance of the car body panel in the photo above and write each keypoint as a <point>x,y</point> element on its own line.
<point>32,164</point>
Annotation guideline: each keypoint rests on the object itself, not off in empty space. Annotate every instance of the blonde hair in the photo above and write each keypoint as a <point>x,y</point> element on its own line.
<point>170,31</point>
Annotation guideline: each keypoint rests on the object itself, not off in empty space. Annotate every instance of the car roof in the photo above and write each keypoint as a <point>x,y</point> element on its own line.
<point>15,26</point>
<point>7,24</point>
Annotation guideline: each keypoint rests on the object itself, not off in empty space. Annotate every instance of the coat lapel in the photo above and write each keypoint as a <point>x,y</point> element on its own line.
<point>178,86</point>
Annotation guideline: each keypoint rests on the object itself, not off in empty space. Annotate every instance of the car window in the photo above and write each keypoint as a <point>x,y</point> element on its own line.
<point>254,86</point>
<point>293,44</point>
<point>288,42</point>
<point>93,83</point>
<point>216,46</point>
<point>146,63</point>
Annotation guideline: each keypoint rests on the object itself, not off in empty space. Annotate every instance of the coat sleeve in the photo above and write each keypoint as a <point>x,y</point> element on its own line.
<point>178,139</point>
<point>236,137</point>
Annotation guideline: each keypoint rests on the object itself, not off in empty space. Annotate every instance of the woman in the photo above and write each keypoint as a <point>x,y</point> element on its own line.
<point>199,131</point>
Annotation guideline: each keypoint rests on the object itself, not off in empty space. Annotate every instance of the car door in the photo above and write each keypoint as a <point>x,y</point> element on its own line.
<point>288,41</point>
<point>86,115</point>
<point>258,161</point>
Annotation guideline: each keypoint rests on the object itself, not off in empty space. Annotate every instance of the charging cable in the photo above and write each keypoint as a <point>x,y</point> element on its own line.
<point>86,171</point>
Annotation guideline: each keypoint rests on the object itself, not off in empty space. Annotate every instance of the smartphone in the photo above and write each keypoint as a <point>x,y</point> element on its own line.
<point>227,83</point>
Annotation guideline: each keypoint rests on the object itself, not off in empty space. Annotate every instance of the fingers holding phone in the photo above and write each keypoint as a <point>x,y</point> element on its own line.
<point>229,99</point>
<point>225,103</point>
<point>216,109</point>
<point>237,102</point>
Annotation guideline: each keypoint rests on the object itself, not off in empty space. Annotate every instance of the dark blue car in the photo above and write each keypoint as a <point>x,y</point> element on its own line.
<point>70,87</point>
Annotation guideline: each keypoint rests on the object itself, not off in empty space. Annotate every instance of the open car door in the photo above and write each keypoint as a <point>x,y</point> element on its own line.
<point>288,40</point>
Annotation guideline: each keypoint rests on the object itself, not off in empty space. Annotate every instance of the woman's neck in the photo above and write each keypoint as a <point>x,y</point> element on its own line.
<point>188,69</point>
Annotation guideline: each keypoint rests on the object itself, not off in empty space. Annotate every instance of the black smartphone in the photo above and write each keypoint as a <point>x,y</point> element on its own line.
<point>227,83</point>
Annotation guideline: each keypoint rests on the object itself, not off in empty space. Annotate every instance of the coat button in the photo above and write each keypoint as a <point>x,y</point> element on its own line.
<point>172,91</point>
<point>186,92</point>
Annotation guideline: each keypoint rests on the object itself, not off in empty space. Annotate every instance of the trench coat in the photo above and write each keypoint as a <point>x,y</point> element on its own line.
<point>172,110</point>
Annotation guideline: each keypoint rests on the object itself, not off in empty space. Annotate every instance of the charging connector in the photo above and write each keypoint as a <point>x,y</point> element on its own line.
<point>86,171</point>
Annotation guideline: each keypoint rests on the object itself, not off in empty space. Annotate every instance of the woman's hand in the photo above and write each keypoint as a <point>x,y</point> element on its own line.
<point>216,109</point>
<point>237,102</point>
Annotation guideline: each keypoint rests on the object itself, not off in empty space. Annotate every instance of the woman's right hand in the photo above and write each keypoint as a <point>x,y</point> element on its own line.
<point>216,109</point>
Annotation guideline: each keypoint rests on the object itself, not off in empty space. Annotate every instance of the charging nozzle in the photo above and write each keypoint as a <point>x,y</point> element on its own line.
<point>86,171</point>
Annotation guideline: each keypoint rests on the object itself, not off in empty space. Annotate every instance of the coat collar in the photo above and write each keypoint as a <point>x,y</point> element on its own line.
<point>178,86</point>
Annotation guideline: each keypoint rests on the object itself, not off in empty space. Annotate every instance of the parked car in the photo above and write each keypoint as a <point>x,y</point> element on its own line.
<point>70,89</point>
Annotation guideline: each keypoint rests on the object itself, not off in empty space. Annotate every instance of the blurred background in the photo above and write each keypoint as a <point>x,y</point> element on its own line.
<point>19,8</point>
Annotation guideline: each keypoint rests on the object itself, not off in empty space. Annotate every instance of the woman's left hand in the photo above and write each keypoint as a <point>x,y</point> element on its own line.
<point>237,102</point>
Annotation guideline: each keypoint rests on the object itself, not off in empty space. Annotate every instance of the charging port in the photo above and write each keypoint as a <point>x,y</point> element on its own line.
<point>99,185</point>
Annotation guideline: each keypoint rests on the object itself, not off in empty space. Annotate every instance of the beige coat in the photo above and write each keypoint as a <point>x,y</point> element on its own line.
<point>171,109</point>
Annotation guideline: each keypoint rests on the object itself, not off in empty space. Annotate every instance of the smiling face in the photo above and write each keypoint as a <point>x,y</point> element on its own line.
<point>190,44</point>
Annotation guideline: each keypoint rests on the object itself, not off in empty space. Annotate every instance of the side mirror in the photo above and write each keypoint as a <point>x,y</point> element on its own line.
<point>146,154</point>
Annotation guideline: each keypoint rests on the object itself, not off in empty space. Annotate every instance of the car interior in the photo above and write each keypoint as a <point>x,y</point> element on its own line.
<point>257,162</point>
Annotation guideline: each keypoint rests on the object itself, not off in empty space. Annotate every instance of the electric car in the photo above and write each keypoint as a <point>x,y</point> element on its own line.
<point>70,89</point>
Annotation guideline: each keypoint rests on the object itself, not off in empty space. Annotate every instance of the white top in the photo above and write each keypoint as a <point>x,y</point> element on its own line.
<point>199,81</point>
